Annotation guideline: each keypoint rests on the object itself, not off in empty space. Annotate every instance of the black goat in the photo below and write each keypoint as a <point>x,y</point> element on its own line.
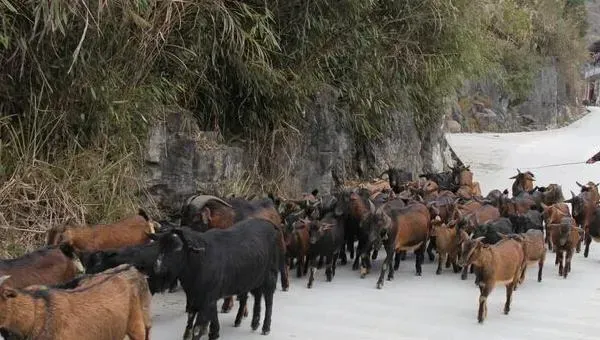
<point>141,256</point>
<point>326,238</point>
<point>491,229</point>
<point>222,262</point>
<point>531,220</point>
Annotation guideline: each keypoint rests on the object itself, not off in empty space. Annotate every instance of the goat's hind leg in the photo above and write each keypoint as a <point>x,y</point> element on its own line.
<point>243,308</point>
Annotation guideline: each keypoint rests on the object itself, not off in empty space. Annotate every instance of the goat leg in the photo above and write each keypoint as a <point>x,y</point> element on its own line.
<point>387,262</point>
<point>419,259</point>
<point>328,270</point>
<point>509,291</point>
<point>568,258</point>
<point>397,261</point>
<point>201,324</point>
<point>187,334</point>
<point>300,267</point>
<point>311,276</point>
<point>430,247</point>
<point>465,272</point>
<point>266,329</point>
<point>343,255</point>
<point>541,267</point>
<point>588,240</point>
<point>256,310</point>
<point>227,305</point>
<point>363,265</point>
<point>441,257</point>
<point>213,331</point>
<point>285,281</point>
<point>335,257</point>
<point>243,305</point>
<point>482,313</point>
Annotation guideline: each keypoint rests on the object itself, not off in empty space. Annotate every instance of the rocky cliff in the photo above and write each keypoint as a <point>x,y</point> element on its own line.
<point>182,160</point>
<point>482,106</point>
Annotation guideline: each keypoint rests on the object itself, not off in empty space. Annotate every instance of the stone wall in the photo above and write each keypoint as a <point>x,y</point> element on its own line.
<point>182,160</point>
<point>484,106</point>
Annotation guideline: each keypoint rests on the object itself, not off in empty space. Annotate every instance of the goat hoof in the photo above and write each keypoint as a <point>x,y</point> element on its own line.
<point>255,325</point>
<point>438,272</point>
<point>237,323</point>
<point>418,274</point>
<point>480,320</point>
<point>390,278</point>
<point>285,289</point>
<point>213,336</point>
<point>379,285</point>
<point>266,331</point>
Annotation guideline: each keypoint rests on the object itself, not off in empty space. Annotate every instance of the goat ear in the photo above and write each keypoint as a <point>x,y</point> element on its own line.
<point>205,213</point>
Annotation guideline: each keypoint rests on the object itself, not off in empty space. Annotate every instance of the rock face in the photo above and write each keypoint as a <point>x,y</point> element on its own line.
<point>484,106</point>
<point>181,160</point>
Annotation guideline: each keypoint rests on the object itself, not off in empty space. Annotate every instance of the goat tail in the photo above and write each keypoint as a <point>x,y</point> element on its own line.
<point>143,213</point>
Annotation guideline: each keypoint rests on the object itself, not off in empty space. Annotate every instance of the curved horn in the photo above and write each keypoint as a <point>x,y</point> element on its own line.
<point>385,172</point>
<point>3,279</point>
<point>372,207</point>
<point>580,185</point>
<point>201,200</point>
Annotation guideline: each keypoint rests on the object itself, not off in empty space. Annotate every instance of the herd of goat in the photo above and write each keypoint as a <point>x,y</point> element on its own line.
<point>96,282</point>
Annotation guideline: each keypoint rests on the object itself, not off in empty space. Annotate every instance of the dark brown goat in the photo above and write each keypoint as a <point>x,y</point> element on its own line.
<point>409,231</point>
<point>127,232</point>
<point>583,211</point>
<point>553,214</point>
<point>523,182</point>
<point>297,245</point>
<point>565,237</point>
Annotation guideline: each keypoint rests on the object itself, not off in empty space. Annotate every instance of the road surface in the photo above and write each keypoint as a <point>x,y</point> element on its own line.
<point>444,307</point>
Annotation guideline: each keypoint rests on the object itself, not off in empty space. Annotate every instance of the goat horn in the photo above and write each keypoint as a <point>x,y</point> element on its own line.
<point>580,185</point>
<point>3,279</point>
<point>201,200</point>
<point>372,206</point>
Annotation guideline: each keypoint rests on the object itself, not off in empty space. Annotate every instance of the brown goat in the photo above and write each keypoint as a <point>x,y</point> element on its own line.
<point>127,232</point>
<point>553,214</point>
<point>105,308</point>
<point>297,245</point>
<point>565,237</point>
<point>592,188</point>
<point>483,214</point>
<point>523,182</point>
<point>500,263</point>
<point>46,266</point>
<point>534,250</point>
<point>447,242</point>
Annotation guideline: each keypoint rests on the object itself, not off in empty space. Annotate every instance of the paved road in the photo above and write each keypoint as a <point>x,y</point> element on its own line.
<point>444,307</point>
